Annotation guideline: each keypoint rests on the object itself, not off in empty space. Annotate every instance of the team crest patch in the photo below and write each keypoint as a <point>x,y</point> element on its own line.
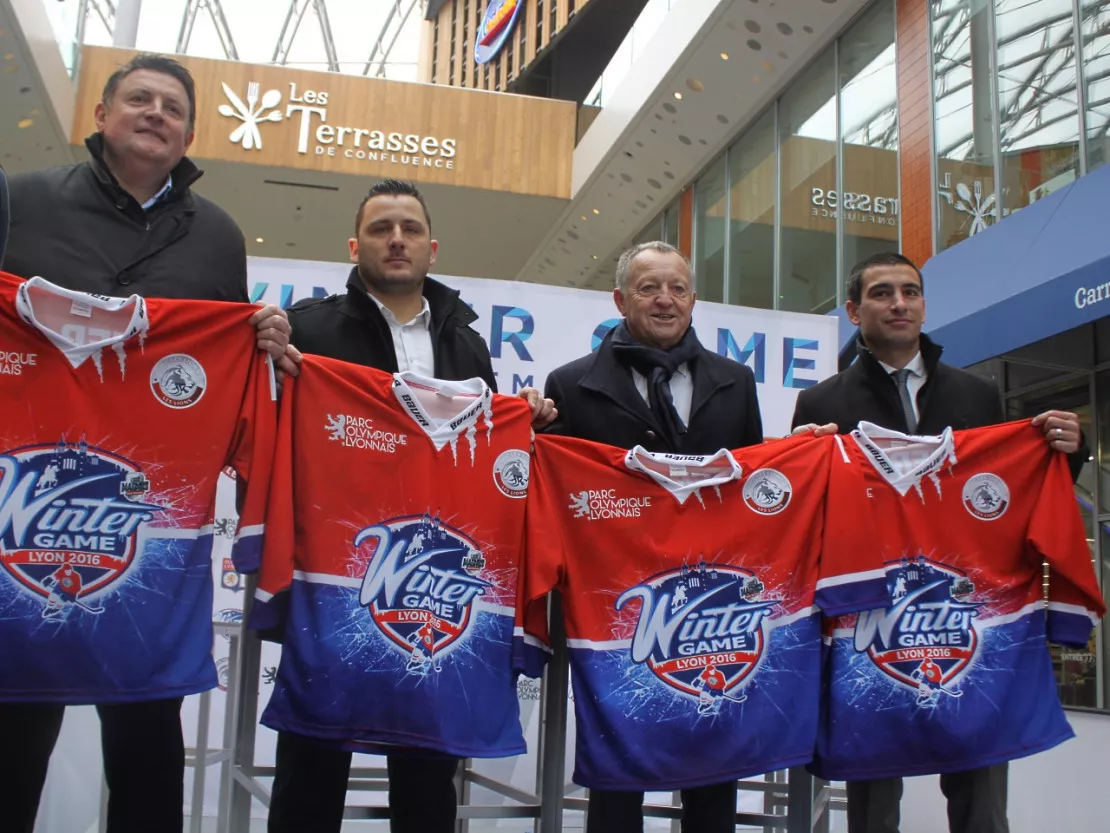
<point>421,585</point>
<point>69,517</point>
<point>767,491</point>
<point>178,381</point>
<point>701,630</point>
<point>510,473</point>
<point>986,496</point>
<point>926,640</point>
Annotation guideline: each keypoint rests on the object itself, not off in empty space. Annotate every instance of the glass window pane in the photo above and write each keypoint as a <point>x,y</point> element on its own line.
<point>869,129</point>
<point>807,138</point>
<point>964,103</point>
<point>1096,79</point>
<point>709,233</point>
<point>1037,97</point>
<point>670,224</point>
<point>650,232</point>
<point>751,254</point>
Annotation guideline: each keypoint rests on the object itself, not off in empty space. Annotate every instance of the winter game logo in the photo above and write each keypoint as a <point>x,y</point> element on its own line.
<point>927,639</point>
<point>359,432</point>
<point>767,492</point>
<point>421,585</point>
<point>701,630</point>
<point>178,381</point>
<point>69,515</point>
<point>510,473</point>
<point>603,504</point>
<point>986,496</point>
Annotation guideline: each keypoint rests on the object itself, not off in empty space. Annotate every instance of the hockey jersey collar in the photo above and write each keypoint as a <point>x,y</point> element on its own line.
<point>907,459</point>
<point>685,474</point>
<point>408,387</point>
<point>82,303</point>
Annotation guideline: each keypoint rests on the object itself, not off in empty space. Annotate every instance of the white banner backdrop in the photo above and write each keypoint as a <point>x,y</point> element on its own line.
<point>531,329</point>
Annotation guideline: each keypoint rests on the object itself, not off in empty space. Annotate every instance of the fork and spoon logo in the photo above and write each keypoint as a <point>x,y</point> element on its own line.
<point>252,113</point>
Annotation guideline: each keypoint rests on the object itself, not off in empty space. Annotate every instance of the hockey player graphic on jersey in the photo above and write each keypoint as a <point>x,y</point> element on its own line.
<point>423,642</point>
<point>711,691</point>
<point>65,585</point>
<point>930,683</point>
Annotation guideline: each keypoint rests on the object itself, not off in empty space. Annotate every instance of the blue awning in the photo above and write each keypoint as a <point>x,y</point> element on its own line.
<point>1041,271</point>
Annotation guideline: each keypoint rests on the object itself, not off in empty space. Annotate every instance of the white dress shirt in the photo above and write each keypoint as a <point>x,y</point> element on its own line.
<point>412,341</point>
<point>914,381</point>
<point>165,189</point>
<point>682,390</point>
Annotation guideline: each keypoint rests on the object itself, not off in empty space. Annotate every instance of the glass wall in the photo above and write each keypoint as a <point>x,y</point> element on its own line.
<point>751,244</point>
<point>810,187</point>
<point>807,166</point>
<point>1020,104</point>
<point>709,233</point>
<point>869,131</point>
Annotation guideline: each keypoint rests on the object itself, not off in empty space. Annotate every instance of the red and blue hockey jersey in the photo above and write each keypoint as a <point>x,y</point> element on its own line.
<point>397,521</point>
<point>691,587</point>
<point>955,672</point>
<point>118,415</point>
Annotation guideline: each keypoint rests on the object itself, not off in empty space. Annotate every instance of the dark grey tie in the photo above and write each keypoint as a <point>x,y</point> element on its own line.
<point>901,378</point>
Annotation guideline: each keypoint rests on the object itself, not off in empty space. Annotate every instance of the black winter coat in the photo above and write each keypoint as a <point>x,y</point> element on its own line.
<point>350,327</point>
<point>949,397</point>
<point>864,391</point>
<point>598,401</point>
<point>76,227</point>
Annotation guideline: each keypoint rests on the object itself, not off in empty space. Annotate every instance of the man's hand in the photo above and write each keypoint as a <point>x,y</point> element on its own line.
<point>273,328</point>
<point>543,410</point>
<point>818,430</point>
<point>1061,430</point>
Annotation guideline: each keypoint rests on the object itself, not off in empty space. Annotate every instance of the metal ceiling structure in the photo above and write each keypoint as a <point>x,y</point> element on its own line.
<point>376,62</point>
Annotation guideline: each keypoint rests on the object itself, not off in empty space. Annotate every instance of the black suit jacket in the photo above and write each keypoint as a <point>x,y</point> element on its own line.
<point>350,327</point>
<point>865,391</point>
<point>598,401</point>
<point>949,397</point>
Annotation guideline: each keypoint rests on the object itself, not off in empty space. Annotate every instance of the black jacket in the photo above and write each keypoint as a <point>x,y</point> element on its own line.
<point>351,328</point>
<point>864,391</point>
<point>598,401</point>
<point>75,226</point>
<point>949,397</point>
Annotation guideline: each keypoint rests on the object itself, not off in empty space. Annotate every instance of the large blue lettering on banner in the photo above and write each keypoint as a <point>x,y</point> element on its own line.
<point>286,298</point>
<point>602,330</point>
<point>791,362</point>
<point>756,348</point>
<point>515,339</point>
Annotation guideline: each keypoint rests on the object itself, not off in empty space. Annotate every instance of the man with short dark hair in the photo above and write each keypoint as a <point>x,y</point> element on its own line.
<point>125,222</point>
<point>898,382</point>
<point>394,318</point>
<point>651,383</point>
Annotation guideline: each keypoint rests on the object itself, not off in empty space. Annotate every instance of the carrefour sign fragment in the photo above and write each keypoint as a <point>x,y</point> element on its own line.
<point>495,28</point>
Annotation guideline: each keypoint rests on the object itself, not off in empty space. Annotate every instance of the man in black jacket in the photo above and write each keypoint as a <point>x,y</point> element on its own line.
<point>122,223</point>
<point>393,317</point>
<point>651,383</point>
<point>899,383</point>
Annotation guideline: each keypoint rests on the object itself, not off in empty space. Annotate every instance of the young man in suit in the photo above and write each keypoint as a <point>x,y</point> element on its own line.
<point>652,383</point>
<point>899,383</point>
<point>392,317</point>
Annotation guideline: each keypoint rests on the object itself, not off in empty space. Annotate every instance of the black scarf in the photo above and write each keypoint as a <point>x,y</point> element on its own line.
<point>658,366</point>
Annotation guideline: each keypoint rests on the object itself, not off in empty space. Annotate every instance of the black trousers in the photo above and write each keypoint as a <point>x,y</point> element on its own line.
<point>704,810</point>
<point>310,790</point>
<point>976,802</point>
<point>144,763</point>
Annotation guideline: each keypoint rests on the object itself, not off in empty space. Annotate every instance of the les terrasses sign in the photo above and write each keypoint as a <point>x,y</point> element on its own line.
<point>308,110</point>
